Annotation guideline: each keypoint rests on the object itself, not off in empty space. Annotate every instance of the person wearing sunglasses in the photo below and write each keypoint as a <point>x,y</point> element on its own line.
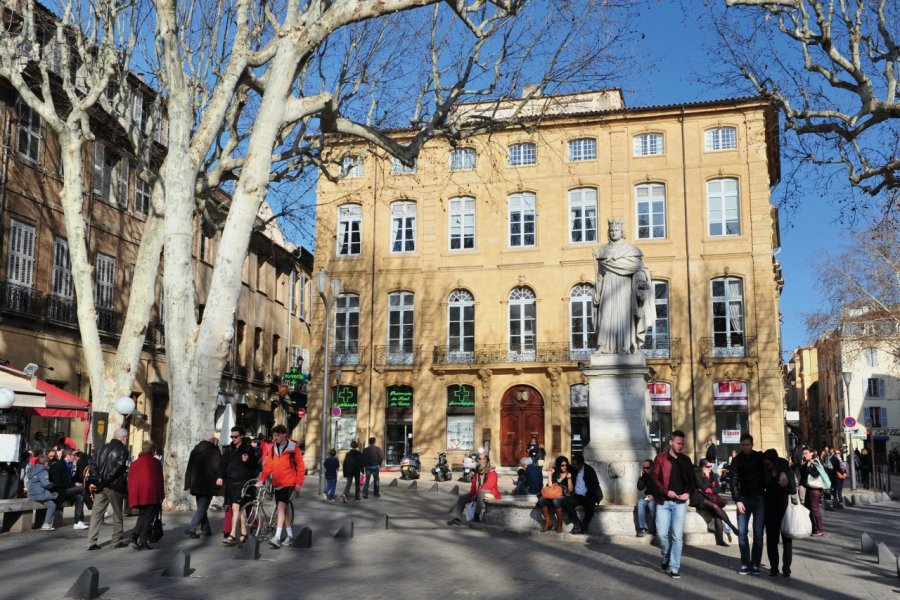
<point>562,477</point>
<point>239,465</point>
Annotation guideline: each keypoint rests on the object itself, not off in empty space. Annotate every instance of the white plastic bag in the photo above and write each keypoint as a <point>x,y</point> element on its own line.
<point>796,523</point>
<point>469,511</point>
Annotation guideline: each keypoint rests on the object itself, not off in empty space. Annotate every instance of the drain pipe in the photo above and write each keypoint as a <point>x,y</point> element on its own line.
<point>687,266</point>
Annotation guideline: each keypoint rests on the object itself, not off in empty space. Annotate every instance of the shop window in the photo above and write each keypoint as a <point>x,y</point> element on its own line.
<point>460,417</point>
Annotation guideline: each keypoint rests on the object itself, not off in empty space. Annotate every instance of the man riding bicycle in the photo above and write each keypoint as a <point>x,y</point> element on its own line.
<point>283,461</point>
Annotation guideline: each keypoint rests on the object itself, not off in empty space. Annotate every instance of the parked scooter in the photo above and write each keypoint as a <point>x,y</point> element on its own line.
<point>410,466</point>
<point>441,470</point>
<point>470,463</point>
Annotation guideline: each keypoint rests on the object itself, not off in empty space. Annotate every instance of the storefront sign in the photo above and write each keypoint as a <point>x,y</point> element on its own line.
<point>400,396</point>
<point>461,396</point>
<point>579,398</point>
<point>345,398</point>
<point>731,436</point>
<point>730,393</point>
<point>660,394</point>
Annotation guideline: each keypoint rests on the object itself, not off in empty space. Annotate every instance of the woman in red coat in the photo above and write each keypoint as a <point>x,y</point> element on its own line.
<point>145,492</point>
<point>484,483</point>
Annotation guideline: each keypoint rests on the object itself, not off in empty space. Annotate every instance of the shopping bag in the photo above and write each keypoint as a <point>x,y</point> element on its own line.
<point>469,511</point>
<point>796,523</point>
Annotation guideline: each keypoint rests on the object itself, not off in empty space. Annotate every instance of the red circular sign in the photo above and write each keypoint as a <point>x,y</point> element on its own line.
<point>301,412</point>
<point>849,422</point>
<point>336,411</point>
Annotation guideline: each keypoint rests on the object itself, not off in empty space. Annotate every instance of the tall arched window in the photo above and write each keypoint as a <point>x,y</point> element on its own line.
<point>403,226</point>
<point>650,206</point>
<point>522,324</point>
<point>723,207</point>
<point>346,329</point>
<point>580,321</point>
<point>460,327</point>
<point>349,237</point>
<point>728,316</point>
<point>582,215</point>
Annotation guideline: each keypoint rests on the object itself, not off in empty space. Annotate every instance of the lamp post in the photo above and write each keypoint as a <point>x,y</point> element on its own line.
<point>848,377</point>
<point>7,398</point>
<point>322,285</point>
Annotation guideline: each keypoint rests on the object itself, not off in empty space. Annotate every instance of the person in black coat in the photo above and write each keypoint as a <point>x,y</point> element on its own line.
<point>353,465</point>
<point>587,493</point>
<point>61,478</point>
<point>238,465</point>
<point>200,480</point>
<point>780,485</point>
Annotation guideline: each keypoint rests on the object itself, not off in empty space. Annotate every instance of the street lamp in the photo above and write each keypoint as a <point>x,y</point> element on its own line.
<point>7,398</point>
<point>848,377</point>
<point>322,285</point>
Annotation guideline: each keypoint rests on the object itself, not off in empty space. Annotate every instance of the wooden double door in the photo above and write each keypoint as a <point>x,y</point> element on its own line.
<point>521,414</point>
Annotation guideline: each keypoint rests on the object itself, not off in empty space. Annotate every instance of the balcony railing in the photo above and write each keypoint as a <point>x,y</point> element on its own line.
<point>21,299</point>
<point>399,354</point>
<point>483,354</point>
<point>723,347</point>
<point>348,355</point>
<point>108,320</point>
<point>61,310</point>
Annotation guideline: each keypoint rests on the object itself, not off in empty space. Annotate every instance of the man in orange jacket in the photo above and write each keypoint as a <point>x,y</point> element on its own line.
<point>283,461</point>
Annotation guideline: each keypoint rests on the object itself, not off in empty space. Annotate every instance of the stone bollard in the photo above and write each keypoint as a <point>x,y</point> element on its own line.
<point>250,549</point>
<point>454,491</point>
<point>434,488</point>
<point>381,522</point>
<point>852,499</point>
<point>303,539</point>
<point>346,530</point>
<point>864,500</point>
<point>867,544</point>
<point>414,485</point>
<point>179,565</point>
<point>86,587</point>
<point>886,558</point>
<point>393,483</point>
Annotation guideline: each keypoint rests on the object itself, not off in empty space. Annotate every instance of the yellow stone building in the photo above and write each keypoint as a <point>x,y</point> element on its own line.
<point>466,281</point>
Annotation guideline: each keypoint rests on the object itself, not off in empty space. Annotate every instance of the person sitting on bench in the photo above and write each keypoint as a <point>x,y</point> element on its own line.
<point>38,486</point>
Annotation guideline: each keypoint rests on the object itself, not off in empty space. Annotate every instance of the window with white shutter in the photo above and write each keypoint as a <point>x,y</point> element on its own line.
<point>61,284</point>
<point>20,268</point>
<point>105,273</point>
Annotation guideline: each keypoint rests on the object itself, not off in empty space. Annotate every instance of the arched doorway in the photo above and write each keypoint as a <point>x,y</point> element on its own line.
<point>521,414</point>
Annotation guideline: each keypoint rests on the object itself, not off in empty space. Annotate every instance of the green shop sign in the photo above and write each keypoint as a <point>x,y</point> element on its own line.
<point>400,396</point>
<point>345,398</point>
<point>461,396</point>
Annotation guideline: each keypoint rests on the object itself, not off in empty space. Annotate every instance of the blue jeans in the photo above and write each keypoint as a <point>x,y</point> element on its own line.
<point>642,505</point>
<point>200,520</point>
<point>670,522</point>
<point>371,475</point>
<point>754,506</point>
<point>330,487</point>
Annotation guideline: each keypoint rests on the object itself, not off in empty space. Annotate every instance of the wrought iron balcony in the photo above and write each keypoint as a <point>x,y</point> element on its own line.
<point>397,355</point>
<point>482,354</point>
<point>61,310</point>
<point>724,347</point>
<point>21,299</point>
<point>348,355</point>
<point>109,321</point>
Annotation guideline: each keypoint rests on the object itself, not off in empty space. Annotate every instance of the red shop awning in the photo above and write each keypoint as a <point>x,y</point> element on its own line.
<point>60,403</point>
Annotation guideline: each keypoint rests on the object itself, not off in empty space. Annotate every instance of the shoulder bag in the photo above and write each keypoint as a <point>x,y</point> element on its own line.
<point>796,523</point>
<point>552,491</point>
<point>156,529</point>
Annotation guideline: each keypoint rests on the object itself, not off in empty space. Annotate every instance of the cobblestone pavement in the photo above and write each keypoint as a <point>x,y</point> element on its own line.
<point>420,557</point>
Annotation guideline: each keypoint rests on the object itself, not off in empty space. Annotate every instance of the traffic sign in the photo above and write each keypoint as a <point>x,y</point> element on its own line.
<point>301,412</point>
<point>336,411</point>
<point>849,422</point>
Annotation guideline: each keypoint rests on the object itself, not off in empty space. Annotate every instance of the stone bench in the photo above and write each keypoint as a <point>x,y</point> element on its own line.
<point>22,514</point>
<point>611,523</point>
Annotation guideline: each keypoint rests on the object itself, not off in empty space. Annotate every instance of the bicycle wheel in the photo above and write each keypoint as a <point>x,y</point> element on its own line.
<point>255,516</point>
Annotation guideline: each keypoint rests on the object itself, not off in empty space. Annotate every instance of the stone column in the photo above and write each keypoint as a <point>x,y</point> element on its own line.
<point>619,412</point>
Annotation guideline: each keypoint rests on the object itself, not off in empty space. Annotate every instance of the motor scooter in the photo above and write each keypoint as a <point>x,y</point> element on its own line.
<point>470,463</point>
<point>410,466</point>
<point>441,470</point>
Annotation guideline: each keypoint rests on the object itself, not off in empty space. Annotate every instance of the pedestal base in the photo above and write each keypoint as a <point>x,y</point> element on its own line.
<point>619,412</point>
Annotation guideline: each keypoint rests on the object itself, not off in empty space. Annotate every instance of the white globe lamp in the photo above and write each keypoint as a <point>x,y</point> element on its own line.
<point>7,397</point>
<point>125,405</point>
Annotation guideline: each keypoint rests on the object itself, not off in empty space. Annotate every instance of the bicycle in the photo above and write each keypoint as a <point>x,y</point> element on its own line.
<point>261,512</point>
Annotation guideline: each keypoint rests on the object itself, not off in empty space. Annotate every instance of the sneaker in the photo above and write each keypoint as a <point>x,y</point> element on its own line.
<point>344,498</point>
<point>745,570</point>
<point>817,534</point>
<point>93,547</point>
<point>455,521</point>
<point>47,527</point>
<point>274,543</point>
<point>754,570</point>
<point>642,532</point>
<point>80,525</point>
<point>665,565</point>
<point>674,574</point>
<point>786,572</point>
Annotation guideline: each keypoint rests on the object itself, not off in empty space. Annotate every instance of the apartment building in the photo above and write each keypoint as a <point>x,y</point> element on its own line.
<point>466,279</point>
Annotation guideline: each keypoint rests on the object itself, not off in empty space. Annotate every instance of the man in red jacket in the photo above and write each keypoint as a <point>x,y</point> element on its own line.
<point>284,462</point>
<point>675,480</point>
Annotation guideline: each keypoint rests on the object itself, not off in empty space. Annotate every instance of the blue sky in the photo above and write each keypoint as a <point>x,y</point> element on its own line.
<point>675,49</point>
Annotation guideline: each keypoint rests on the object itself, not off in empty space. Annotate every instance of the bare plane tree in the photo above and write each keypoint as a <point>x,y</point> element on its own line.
<point>832,68</point>
<point>252,94</point>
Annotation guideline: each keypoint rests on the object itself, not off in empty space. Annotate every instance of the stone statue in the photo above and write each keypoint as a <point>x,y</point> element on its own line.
<point>623,300</point>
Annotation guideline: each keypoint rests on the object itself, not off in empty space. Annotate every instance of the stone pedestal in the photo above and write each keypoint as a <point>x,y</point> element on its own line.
<point>620,440</point>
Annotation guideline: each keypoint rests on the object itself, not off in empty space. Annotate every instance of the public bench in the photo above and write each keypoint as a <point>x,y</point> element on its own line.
<point>22,514</point>
<point>611,523</point>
